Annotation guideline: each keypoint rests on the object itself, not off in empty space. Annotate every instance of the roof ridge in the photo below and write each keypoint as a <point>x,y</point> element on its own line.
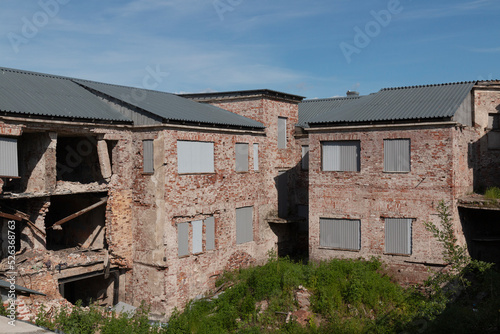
<point>430,85</point>
<point>334,98</point>
<point>123,86</point>
<point>39,74</point>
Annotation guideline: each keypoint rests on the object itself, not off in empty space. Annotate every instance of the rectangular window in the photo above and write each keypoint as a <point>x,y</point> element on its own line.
<point>183,238</point>
<point>255,157</point>
<point>282,132</point>
<point>305,157</point>
<point>396,155</point>
<point>241,157</point>
<point>195,157</point>
<point>494,121</point>
<point>341,156</point>
<point>210,233</point>
<point>9,159</point>
<point>148,156</point>
<point>197,236</point>
<point>244,224</point>
<point>398,236</point>
<point>340,233</point>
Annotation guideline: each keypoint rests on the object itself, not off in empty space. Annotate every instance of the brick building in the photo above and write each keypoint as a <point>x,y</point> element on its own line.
<point>379,165</point>
<point>125,194</point>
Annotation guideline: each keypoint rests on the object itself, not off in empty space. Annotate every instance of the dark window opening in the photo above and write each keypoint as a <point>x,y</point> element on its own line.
<point>85,229</point>
<point>91,288</point>
<point>10,237</point>
<point>78,160</point>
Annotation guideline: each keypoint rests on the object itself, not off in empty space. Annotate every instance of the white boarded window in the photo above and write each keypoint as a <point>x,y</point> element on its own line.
<point>197,236</point>
<point>8,157</point>
<point>305,157</point>
<point>398,236</point>
<point>195,157</point>
<point>241,157</point>
<point>494,121</point>
<point>183,238</point>
<point>255,156</point>
<point>341,156</point>
<point>148,156</point>
<point>244,224</point>
<point>210,233</point>
<point>396,155</point>
<point>494,135</point>
<point>340,233</point>
<point>282,132</point>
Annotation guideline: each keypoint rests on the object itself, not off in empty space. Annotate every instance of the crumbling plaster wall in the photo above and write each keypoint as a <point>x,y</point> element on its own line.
<point>372,195</point>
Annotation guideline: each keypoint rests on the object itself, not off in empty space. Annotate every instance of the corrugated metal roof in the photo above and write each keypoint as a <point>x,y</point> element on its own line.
<point>170,106</point>
<point>404,103</point>
<point>45,95</point>
<point>310,109</point>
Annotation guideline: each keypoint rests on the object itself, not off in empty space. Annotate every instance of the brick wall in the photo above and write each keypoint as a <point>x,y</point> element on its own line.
<point>372,195</point>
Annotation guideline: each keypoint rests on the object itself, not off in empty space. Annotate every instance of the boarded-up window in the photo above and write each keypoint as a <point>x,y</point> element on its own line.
<point>396,155</point>
<point>398,236</point>
<point>210,233</point>
<point>282,132</point>
<point>183,238</point>
<point>197,236</point>
<point>494,135</point>
<point>494,121</point>
<point>195,157</point>
<point>148,156</point>
<point>241,157</point>
<point>8,157</point>
<point>305,158</point>
<point>255,156</point>
<point>244,224</point>
<point>340,233</point>
<point>341,156</point>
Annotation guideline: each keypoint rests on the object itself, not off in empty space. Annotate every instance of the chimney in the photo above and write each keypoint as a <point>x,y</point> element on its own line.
<point>352,93</point>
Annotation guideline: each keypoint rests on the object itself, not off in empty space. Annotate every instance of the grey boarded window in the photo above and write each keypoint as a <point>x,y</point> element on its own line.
<point>244,224</point>
<point>305,158</point>
<point>148,156</point>
<point>241,150</point>
<point>197,236</point>
<point>183,238</point>
<point>255,156</point>
<point>396,155</point>
<point>195,157</point>
<point>210,233</point>
<point>341,156</point>
<point>282,132</point>
<point>340,233</point>
<point>398,236</point>
<point>8,157</point>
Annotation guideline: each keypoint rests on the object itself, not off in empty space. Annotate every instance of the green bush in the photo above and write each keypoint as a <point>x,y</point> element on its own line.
<point>492,193</point>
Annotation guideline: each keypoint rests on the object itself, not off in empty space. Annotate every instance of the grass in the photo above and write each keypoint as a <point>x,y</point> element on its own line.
<point>492,193</point>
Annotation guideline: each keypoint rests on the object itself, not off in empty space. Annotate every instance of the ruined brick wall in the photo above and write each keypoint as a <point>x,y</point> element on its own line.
<point>486,102</point>
<point>372,195</point>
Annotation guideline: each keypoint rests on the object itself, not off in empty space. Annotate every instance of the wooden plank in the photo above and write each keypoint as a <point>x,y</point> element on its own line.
<point>81,212</point>
<point>9,216</point>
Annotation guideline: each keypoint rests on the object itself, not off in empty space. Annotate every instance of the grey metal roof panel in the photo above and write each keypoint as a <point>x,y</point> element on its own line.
<point>170,106</point>
<point>404,103</point>
<point>310,109</point>
<point>32,93</point>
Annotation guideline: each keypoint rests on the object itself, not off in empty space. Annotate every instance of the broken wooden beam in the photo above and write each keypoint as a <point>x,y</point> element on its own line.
<point>81,212</point>
<point>9,216</point>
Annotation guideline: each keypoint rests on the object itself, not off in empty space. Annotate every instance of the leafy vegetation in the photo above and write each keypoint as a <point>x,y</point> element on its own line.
<point>492,193</point>
<point>345,296</point>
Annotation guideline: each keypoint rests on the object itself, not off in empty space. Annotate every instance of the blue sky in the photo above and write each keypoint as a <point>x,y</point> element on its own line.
<point>315,48</point>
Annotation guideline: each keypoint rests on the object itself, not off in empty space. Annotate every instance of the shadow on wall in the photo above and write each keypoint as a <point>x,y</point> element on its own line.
<point>291,224</point>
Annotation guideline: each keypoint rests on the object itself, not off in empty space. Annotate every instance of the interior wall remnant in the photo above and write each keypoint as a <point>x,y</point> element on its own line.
<point>86,231</point>
<point>104,159</point>
<point>96,288</point>
<point>78,160</point>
